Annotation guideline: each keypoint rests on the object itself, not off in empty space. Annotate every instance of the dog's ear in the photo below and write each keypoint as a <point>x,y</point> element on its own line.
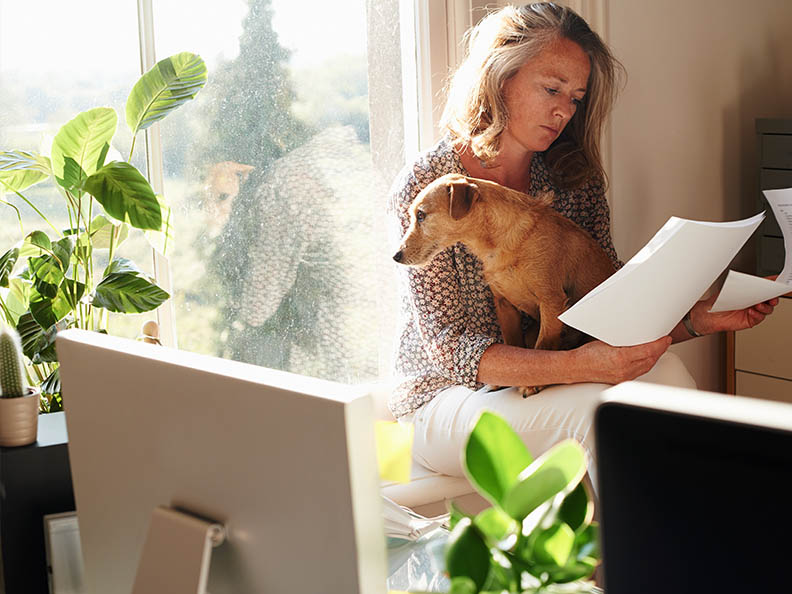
<point>462,196</point>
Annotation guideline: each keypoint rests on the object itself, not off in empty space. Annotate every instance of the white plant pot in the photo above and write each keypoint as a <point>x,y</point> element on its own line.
<point>19,419</point>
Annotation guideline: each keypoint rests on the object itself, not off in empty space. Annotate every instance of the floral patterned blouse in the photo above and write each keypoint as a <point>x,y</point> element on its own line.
<point>447,315</point>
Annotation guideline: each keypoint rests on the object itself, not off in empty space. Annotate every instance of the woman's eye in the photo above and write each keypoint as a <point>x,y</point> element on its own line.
<point>551,91</point>
<point>420,215</point>
<point>577,102</point>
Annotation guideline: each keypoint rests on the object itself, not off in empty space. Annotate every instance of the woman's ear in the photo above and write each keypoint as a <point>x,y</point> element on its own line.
<point>462,196</point>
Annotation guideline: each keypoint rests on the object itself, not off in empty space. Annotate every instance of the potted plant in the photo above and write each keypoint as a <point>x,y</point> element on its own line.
<point>72,277</point>
<point>538,536</point>
<point>19,404</point>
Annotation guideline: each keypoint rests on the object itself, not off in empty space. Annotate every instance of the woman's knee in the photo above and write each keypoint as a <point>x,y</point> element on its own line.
<point>670,371</point>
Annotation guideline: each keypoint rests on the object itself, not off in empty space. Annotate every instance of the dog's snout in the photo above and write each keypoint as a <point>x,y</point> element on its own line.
<point>398,256</point>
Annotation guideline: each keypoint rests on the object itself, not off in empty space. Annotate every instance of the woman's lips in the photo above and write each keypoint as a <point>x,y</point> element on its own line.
<point>550,129</point>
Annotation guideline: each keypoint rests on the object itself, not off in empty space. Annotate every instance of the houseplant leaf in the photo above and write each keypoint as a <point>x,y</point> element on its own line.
<point>79,144</point>
<point>168,85</point>
<point>7,262</point>
<point>101,229</point>
<point>494,456</point>
<point>48,311</point>
<point>495,524</point>
<point>20,170</point>
<point>557,470</point>
<point>577,509</point>
<point>18,299</point>
<point>126,195</point>
<point>38,344</point>
<point>466,554</point>
<point>47,276</point>
<point>554,545</point>
<point>127,292</point>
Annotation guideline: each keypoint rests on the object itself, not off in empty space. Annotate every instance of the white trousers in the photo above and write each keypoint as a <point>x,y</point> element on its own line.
<point>556,413</point>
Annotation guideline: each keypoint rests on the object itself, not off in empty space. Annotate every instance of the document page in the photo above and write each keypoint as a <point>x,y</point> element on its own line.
<point>648,297</point>
<point>744,290</point>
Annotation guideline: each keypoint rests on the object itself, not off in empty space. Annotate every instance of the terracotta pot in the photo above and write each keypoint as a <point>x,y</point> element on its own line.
<point>19,419</point>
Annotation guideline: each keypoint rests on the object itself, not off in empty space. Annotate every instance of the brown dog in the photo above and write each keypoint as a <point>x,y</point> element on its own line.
<point>535,260</point>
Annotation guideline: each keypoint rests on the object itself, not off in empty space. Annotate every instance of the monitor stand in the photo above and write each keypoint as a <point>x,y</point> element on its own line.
<point>176,554</point>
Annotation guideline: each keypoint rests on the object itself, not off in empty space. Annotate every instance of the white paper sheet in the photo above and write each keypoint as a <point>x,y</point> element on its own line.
<point>781,203</point>
<point>744,290</point>
<point>649,295</point>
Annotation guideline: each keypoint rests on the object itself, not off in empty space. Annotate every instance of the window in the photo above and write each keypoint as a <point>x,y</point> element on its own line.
<point>277,174</point>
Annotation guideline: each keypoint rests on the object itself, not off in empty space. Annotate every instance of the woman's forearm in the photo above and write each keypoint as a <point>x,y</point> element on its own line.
<point>504,365</point>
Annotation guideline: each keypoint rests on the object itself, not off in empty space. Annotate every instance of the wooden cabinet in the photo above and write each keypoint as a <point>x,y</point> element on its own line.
<point>763,357</point>
<point>760,359</point>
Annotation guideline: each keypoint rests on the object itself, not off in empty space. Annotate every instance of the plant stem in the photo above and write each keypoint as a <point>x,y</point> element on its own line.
<point>132,148</point>
<point>19,216</point>
<point>31,205</point>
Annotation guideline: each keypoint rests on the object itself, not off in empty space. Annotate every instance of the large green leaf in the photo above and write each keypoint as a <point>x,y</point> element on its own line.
<point>7,262</point>
<point>577,508</point>
<point>496,525</point>
<point>128,292</point>
<point>126,195</point>
<point>102,229</point>
<point>18,299</point>
<point>49,311</point>
<point>38,344</point>
<point>554,545</point>
<point>80,143</point>
<point>20,170</point>
<point>121,265</point>
<point>47,276</point>
<point>494,456</point>
<point>168,85</point>
<point>559,469</point>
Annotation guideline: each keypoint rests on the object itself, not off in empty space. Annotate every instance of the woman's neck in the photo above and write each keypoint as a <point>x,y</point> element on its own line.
<point>511,168</point>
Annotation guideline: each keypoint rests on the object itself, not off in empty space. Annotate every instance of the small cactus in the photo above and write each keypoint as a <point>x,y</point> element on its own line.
<point>12,367</point>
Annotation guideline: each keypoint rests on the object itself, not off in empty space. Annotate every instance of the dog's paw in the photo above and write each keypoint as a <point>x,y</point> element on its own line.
<point>530,390</point>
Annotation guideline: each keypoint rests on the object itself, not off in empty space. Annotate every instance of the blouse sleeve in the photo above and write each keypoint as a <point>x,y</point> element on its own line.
<point>601,225</point>
<point>434,297</point>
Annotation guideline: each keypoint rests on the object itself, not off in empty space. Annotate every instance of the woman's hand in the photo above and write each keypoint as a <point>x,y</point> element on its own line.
<point>706,322</point>
<point>599,362</point>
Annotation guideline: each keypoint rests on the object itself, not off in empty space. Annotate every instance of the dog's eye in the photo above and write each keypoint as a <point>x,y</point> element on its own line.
<point>420,215</point>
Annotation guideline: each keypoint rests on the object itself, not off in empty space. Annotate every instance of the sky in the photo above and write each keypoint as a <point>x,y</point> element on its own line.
<point>96,33</point>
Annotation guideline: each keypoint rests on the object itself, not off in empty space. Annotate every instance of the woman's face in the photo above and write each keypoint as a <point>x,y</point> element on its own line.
<point>544,95</point>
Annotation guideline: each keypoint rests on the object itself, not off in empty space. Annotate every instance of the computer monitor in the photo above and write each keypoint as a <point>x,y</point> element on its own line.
<point>286,463</point>
<point>694,491</point>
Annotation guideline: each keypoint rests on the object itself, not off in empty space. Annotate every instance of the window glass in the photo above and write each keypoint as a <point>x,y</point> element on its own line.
<point>279,246</point>
<point>58,59</point>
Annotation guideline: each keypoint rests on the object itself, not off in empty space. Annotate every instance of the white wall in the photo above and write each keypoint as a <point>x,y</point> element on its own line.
<point>683,142</point>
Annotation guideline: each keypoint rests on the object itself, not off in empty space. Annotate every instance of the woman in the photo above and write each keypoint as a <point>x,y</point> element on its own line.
<point>526,110</point>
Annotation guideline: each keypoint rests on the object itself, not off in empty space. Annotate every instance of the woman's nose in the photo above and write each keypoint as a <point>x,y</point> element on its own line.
<point>565,110</point>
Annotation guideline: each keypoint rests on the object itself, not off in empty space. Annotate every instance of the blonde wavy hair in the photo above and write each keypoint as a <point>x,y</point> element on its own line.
<point>476,114</point>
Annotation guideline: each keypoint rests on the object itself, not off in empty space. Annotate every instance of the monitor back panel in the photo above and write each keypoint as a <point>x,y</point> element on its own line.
<point>286,462</point>
<point>692,504</point>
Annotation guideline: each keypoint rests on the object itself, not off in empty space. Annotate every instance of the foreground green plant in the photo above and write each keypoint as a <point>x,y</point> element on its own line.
<point>72,277</point>
<point>538,532</point>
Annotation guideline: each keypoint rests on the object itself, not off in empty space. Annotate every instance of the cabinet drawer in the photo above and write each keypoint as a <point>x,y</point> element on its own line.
<point>767,348</point>
<point>770,256</point>
<point>761,386</point>
<point>777,151</point>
